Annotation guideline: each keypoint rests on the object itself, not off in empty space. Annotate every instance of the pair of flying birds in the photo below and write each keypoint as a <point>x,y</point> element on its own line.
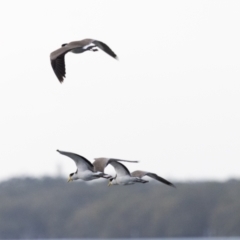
<point>85,169</point>
<point>88,171</point>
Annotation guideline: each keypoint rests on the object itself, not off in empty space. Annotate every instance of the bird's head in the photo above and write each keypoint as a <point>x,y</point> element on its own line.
<point>71,177</point>
<point>112,181</point>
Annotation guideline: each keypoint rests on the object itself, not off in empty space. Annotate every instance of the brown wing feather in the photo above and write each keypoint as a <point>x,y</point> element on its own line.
<point>99,164</point>
<point>138,173</point>
<point>59,68</point>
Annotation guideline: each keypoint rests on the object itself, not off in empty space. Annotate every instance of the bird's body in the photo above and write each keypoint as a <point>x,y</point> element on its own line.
<point>86,170</point>
<point>127,180</point>
<point>57,56</point>
<point>123,176</point>
<point>88,175</point>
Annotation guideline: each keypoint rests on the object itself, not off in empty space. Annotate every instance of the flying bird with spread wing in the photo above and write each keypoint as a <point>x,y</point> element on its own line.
<point>141,174</point>
<point>89,171</point>
<point>57,56</point>
<point>124,177</point>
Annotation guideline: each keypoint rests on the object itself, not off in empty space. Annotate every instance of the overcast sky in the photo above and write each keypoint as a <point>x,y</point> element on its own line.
<point>171,101</point>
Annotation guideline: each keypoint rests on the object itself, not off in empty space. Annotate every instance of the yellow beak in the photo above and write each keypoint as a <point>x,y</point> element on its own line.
<point>70,179</point>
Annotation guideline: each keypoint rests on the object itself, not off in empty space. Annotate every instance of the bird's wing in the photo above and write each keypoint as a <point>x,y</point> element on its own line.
<point>58,62</point>
<point>57,57</point>
<point>160,179</point>
<point>105,48</point>
<point>100,163</point>
<point>60,51</point>
<point>59,68</point>
<point>81,162</point>
<point>120,169</point>
<point>139,173</point>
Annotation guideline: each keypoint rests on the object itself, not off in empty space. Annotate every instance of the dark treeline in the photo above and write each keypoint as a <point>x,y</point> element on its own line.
<point>53,208</point>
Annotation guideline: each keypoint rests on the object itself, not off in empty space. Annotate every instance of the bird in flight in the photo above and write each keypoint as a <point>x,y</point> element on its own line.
<point>124,177</point>
<point>57,56</point>
<point>89,171</point>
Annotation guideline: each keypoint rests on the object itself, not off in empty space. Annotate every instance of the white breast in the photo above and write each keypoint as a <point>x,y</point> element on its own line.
<point>125,180</point>
<point>86,175</point>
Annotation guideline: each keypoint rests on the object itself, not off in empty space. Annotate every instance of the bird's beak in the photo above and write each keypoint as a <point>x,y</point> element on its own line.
<point>70,179</point>
<point>109,183</point>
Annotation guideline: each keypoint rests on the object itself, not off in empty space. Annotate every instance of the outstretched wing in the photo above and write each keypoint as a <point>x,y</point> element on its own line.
<point>105,48</point>
<point>59,68</point>
<point>120,169</point>
<point>100,163</point>
<point>58,62</point>
<point>141,174</point>
<point>81,162</point>
<point>138,173</point>
<point>160,179</point>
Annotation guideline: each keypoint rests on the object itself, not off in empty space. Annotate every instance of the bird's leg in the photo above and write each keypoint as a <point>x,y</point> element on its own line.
<point>91,48</point>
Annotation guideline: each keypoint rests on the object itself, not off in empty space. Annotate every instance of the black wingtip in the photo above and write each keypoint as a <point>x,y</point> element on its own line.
<point>169,183</point>
<point>105,48</point>
<point>61,80</point>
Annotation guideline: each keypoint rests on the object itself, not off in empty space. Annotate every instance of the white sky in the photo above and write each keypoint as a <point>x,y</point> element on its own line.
<point>171,101</point>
